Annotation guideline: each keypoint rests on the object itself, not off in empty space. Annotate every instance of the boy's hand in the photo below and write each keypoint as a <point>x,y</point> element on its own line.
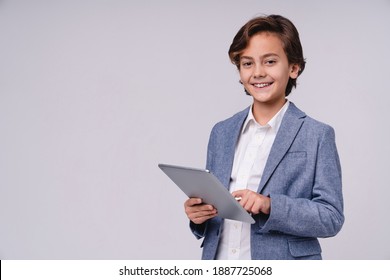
<point>254,202</point>
<point>198,212</point>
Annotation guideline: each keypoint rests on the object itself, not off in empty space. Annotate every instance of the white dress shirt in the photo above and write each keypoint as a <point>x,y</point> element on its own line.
<point>253,146</point>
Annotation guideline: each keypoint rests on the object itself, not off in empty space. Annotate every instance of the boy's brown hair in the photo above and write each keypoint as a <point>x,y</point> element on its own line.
<point>275,24</point>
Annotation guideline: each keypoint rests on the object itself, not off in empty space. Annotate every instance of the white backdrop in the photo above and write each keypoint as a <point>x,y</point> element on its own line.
<point>95,93</point>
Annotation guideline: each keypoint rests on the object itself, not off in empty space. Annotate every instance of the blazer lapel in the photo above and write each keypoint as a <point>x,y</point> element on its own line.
<point>231,137</point>
<point>291,123</point>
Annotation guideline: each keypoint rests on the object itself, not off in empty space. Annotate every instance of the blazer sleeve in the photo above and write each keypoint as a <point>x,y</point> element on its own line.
<point>321,215</point>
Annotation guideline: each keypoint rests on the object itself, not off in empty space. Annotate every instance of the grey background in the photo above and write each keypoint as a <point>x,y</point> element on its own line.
<point>94,94</point>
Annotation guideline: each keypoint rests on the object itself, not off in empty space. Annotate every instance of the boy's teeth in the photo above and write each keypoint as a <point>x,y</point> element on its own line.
<point>261,85</point>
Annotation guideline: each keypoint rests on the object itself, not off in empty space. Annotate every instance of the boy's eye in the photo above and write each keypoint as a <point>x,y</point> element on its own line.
<point>270,62</point>
<point>246,63</point>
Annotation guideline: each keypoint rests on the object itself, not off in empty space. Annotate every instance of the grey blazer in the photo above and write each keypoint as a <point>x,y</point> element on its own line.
<point>303,178</point>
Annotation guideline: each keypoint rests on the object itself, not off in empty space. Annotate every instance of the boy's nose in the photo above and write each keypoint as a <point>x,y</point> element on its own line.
<point>259,72</point>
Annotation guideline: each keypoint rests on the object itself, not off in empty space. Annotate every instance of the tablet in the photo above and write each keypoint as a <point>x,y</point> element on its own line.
<point>203,184</point>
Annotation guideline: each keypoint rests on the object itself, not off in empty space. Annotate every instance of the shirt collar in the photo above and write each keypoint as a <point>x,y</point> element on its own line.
<point>274,123</point>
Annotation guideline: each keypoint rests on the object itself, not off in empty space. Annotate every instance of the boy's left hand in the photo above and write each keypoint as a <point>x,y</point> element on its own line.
<point>253,202</point>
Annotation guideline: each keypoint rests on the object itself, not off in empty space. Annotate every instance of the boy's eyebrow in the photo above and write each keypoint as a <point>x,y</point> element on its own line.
<point>263,56</point>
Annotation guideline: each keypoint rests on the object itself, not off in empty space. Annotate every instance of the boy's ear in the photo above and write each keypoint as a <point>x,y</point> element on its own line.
<point>294,70</point>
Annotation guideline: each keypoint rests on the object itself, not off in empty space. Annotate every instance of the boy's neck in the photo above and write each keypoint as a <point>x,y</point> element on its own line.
<point>264,112</point>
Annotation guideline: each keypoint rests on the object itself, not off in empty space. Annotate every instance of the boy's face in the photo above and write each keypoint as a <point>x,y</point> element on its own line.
<point>264,69</point>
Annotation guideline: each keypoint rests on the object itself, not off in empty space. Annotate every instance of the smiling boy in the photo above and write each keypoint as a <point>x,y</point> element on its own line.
<point>283,164</point>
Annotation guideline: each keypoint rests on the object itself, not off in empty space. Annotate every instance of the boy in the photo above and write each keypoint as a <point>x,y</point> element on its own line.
<point>281,163</point>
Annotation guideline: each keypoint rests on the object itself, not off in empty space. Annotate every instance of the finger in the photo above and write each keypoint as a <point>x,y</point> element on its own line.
<point>256,206</point>
<point>249,200</point>
<point>200,217</point>
<point>192,201</point>
<point>203,218</point>
<point>202,207</point>
<point>202,213</point>
<point>239,193</point>
<point>248,204</point>
<point>198,209</point>
<point>245,196</point>
<point>255,203</point>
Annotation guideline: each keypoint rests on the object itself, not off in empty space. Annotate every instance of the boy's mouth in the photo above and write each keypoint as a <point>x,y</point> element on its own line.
<point>262,85</point>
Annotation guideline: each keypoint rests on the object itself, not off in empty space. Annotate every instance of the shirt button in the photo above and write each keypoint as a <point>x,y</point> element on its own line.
<point>234,251</point>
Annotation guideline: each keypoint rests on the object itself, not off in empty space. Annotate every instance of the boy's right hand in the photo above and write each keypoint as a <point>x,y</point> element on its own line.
<point>198,212</point>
